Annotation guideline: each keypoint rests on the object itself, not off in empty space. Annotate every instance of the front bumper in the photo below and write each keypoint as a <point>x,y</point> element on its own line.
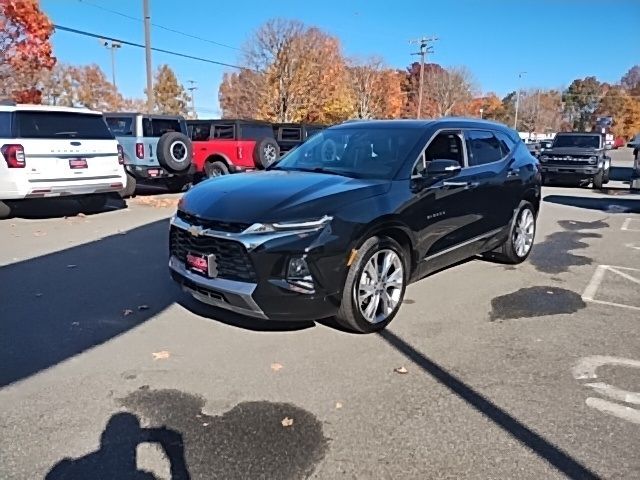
<point>268,295</point>
<point>575,170</point>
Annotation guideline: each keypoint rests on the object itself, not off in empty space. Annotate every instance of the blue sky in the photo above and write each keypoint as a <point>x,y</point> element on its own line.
<point>554,41</point>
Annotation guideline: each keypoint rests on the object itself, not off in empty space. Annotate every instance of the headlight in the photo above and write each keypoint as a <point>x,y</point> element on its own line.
<point>298,225</point>
<point>593,160</point>
<point>544,158</point>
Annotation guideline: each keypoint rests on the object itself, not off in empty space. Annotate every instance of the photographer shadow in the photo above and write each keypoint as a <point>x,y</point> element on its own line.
<point>117,455</point>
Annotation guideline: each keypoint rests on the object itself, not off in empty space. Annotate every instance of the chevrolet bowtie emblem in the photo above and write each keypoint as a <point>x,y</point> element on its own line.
<point>195,230</point>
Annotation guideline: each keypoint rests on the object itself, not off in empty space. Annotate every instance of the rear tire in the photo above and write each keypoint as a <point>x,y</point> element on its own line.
<point>605,178</point>
<point>129,188</point>
<point>5,210</point>
<point>361,289</point>
<point>215,169</point>
<point>598,180</point>
<point>522,233</point>
<point>177,184</point>
<point>93,203</point>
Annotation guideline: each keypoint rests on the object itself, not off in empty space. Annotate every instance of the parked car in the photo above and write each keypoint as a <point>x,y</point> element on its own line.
<point>342,224</point>
<point>57,151</point>
<point>577,157</point>
<point>290,135</point>
<point>635,144</point>
<point>534,148</point>
<point>229,146</point>
<point>157,149</point>
<point>618,143</point>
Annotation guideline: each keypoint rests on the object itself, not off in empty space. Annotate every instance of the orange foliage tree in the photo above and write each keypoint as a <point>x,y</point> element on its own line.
<point>25,49</point>
<point>376,92</point>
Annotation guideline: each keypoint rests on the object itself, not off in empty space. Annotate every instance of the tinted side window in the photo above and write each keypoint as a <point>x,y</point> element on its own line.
<point>5,125</point>
<point>506,143</point>
<point>199,132</point>
<point>121,126</point>
<point>291,133</point>
<point>156,127</point>
<point>256,131</point>
<point>483,147</point>
<point>62,125</point>
<point>224,131</point>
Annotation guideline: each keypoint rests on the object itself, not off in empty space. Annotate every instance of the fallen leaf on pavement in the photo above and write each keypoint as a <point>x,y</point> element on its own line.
<point>75,324</point>
<point>71,265</point>
<point>401,370</point>
<point>12,225</point>
<point>338,405</point>
<point>161,355</point>
<point>81,215</point>
<point>126,312</point>
<point>39,233</point>
<point>276,366</point>
<point>205,424</point>
<point>143,307</point>
<point>287,422</point>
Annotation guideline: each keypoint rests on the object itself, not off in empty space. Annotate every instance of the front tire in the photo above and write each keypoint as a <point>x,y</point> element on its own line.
<point>375,286</point>
<point>522,233</point>
<point>598,180</point>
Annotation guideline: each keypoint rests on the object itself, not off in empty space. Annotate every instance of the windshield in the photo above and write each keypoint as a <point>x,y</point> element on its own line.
<point>375,153</point>
<point>581,141</point>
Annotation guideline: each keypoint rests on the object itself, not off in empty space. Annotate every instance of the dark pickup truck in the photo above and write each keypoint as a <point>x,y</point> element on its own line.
<point>576,157</point>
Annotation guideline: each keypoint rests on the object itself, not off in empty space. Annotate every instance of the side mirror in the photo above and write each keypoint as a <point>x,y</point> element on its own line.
<point>442,169</point>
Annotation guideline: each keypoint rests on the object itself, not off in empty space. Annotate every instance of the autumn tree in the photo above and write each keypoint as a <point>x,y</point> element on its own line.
<point>624,108</point>
<point>448,88</point>
<point>630,81</point>
<point>376,91</point>
<point>411,89</point>
<point>581,100</point>
<point>240,94</point>
<point>170,97</point>
<point>25,49</point>
<point>540,110</point>
<point>302,73</point>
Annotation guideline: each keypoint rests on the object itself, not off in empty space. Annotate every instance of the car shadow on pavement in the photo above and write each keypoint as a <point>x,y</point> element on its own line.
<point>240,321</point>
<point>36,209</point>
<point>604,204</point>
<point>117,456</point>
<point>543,448</point>
<point>58,305</point>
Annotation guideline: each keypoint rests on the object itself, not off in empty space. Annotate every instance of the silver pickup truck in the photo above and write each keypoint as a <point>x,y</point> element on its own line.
<point>157,149</point>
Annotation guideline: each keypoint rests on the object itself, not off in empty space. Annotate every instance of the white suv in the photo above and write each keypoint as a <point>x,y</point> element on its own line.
<point>57,151</point>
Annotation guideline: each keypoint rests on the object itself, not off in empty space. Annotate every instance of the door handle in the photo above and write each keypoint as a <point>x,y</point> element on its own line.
<point>467,185</point>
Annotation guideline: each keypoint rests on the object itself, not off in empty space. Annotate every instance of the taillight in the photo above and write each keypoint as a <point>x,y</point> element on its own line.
<point>13,155</point>
<point>120,155</point>
<point>140,150</point>
<point>239,152</point>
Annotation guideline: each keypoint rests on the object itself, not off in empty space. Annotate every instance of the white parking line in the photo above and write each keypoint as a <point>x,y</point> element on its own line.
<point>592,288</point>
<point>627,227</point>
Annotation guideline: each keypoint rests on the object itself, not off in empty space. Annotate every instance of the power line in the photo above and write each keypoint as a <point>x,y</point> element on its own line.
<point>424,49</point>
<point>155,49</point>
<point>162,27</point>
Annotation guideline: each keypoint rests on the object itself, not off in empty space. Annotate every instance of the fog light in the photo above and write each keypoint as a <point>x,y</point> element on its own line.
<point>298,269</point>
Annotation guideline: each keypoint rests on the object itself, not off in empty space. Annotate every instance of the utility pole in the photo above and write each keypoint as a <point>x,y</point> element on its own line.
<point>112,46</point>
<point>424,49</point>
<point>147,50</point>
<point>515,120</point>
<point>192,89</point>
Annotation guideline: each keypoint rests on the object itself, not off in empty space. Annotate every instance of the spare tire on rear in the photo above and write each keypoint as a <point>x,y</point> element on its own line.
<point>265,152</point>
<point>174,152</point>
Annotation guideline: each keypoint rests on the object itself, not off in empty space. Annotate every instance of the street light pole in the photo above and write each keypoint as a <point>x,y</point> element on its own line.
<point>192,89</point>
<point>147,50</point>
<point>515,120</point>
<point>112,46</point>
<point>481,112</point>
<point>424,49</point>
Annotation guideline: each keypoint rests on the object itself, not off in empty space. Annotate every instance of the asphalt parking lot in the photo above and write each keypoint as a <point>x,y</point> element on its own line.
<point>511,372</point>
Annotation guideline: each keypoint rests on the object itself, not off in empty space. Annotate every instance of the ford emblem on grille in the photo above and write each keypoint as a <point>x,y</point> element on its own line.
<point>195,230</point>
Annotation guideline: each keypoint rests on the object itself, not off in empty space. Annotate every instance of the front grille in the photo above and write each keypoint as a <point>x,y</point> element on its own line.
<point>212,224</point>
<point>572,160</point>
<point>232,259</point>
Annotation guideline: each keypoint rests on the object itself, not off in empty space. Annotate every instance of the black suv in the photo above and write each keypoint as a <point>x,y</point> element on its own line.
<point>341,225</point>
<point>576,157</point>
<point>290,135</point>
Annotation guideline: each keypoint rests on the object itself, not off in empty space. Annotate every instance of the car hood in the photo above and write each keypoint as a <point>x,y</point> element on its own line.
<point>276,196</point>
<point>572,151</point>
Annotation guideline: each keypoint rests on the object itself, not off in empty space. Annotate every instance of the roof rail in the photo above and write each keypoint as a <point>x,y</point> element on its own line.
<point>7,102</point>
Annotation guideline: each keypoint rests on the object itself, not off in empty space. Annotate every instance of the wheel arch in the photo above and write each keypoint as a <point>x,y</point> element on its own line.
<point>397,231</point>
<point>217,157</point>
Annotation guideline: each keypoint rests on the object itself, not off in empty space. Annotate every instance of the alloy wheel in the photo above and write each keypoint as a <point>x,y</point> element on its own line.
<point>379,289</point>
<point>524,232</point>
